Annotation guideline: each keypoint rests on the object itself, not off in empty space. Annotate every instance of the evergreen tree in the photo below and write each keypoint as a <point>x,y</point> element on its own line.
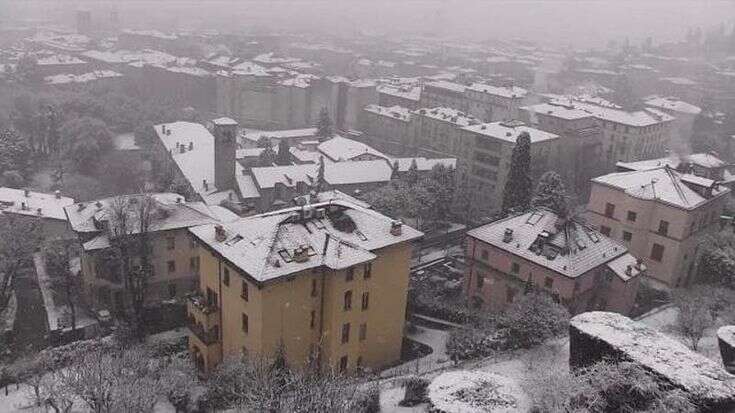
<point>550,193</point>
<point>267,157</point>
<point>412,176</point>
<point>263,142</point>
<point>320,181</point>
<point>284,154</point>
<point>517,191</point>
<point>441,185</point>
<point>324,126</point>
<point>395,169</point>
<point>15,154</point>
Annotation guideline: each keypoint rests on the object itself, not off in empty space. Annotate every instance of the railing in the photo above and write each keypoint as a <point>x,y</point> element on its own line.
<point>208,337</point>
<point>198,301</point>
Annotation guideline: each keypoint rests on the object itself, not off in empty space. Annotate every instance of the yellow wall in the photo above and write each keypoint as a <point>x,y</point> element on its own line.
<point>280,312</point>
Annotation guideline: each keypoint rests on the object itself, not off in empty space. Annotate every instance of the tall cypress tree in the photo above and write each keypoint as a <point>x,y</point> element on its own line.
<point>284,154</point>
<point>517,191</point>
<point>551,193</point>
<point>324,126</point>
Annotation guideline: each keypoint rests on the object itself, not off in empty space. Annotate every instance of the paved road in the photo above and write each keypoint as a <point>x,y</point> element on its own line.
<point>30,330</point>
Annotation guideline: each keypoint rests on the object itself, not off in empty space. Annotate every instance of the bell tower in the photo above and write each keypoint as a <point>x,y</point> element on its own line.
<point>225,146</point>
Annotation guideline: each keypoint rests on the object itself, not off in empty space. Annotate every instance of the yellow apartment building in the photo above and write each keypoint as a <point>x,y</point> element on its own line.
<point>327,281</point>
<point>174,256</point>
<point>660,215</point>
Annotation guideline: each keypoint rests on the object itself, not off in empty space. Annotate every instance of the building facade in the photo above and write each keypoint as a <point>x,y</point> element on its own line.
<point>326,282</point>
<point>575,264</point>
<point>661,215</point>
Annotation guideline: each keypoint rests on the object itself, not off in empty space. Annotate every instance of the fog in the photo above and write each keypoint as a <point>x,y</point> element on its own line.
<point>575,23</point>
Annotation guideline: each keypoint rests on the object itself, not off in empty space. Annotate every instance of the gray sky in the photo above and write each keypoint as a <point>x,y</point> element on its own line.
<point>580,23</point>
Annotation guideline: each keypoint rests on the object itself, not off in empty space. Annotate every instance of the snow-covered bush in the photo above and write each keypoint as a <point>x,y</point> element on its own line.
<point>469,343</point>
<point>415,391</point>
<point>368,401</point>
<point>532,319</point>
<point>606,387</point>
<point>475,392</point>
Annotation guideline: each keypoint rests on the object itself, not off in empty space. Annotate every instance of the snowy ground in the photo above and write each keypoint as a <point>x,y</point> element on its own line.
<point>663,320</point>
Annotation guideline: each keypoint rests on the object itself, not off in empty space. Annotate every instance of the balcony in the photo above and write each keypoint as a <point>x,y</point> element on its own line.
<point>207,337</point>
<point>198,308</point>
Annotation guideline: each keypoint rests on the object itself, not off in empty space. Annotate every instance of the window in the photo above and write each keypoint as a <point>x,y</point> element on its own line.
<point>632,216</point>
<point>367,271</point>
<point>194,265</point>
<point>171,266</point>
<point>657,252</point>
<point>313,288</point>
<point>485,255</point>
<point>345,333</point>
<point>479,281</point>
<point>226,277</point>
<point>245,324</point>
<point>663,227</point>
<point>312,322</point>
<point>609,210</point>
<point>192,243</point>
<point>170,243</point>
<point>347,305</point>
<point>515,268</point>
<point>363,331</point>
<point>509,294</point>
<point>605,230</point>
<point>343,364</point>
<point>350,274</point>
<point>244,293</point>
<point>548,282</point>
<point>627,236</point>
<point>365,300</point>
<point>172,290</point>
<point>211,297</point>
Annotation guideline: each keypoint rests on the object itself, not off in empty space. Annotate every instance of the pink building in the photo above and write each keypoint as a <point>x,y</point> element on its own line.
<point>576,264</point>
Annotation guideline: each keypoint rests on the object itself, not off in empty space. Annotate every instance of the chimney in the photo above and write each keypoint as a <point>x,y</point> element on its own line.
<point>508,235</point>
<point>191,146</point>
<point>57,193</point>
<point>205,185</point>
<point>26,193</point>
<point>219,233</point>
<point>396,228</point>
<point>629,270</point>
<point>23,206</point>
<point>168,132</point>
<point>38,211</point>
<point>163,128</point>
<point>80,206</point>
<point>301,254</point>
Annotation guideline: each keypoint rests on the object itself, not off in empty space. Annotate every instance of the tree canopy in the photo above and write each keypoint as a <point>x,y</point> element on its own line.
<point>517,191</point>
<point>551,193</point>
<point>324,125</point>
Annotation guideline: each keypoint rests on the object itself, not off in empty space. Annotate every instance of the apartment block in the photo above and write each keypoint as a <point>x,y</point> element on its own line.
<point>660,214</point>
<point>326,281</point>
<point>575,264</point>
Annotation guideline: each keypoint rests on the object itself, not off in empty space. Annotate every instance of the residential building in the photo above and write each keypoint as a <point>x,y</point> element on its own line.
<point>443,93</point>
<point>660,214</point>
<point>438,129</point>
<point>577,265</point>
<point>581,137</point>
<point>486,150</point>
<point>494,103</point>
<point>388,125</point>
<point>326,282</point>
<point>174,258</point>
<point>47,209</point>
<point>407,96</point>
<point>292,136</point>
<point>684,113</point>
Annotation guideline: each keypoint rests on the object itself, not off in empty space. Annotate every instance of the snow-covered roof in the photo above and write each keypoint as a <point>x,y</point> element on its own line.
<point>396,112</point>
<point>509,131</point>
<point>558,110</point>
<point>170,212</point>
<point>344,149</point>
<point>506,92</point>
<point>409,92</point>
<point>265,246</point>
<point>679,81</point>
<point>337,173</point>
<point>196,164</point>
<point>249,68</point>
<point>39,204</point>
<point>281,134</point>
<point>443,84</point>
<point>246,185</point>
<point>673,104</point>
<point>706,160</point>
<point>125,142</point>
<point>224,121</point>
<point>571,250</point>
<point>663,184</point>
<point>640,118</point>
<point>656,352</point>
<point>60,59</point>
<point>445,114</point>
<point>62,79</point>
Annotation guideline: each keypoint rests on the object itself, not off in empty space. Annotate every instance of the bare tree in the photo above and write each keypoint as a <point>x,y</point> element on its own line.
<point>57,257</point>
<point>699,307</point>
<point>17,243</point>
<point>178,381</point>
<point>130,221</point>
